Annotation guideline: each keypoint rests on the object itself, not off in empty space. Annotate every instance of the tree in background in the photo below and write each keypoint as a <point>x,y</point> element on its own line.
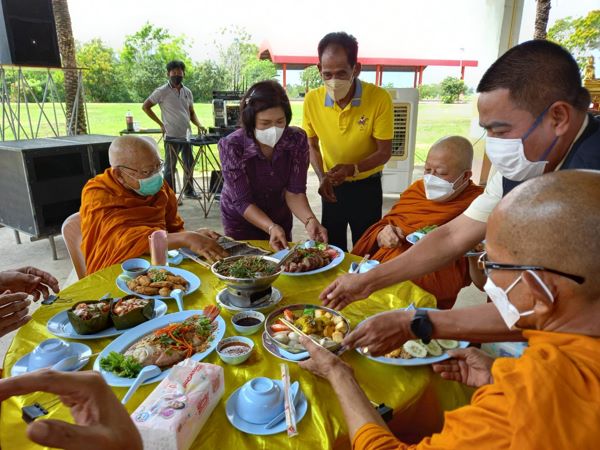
<point>239,59</point>
<point>66,45</point>
<point>311,78</point>
<point>144,58</point>
<point>580,36</point>
<point>103,78</point>
<point>204,78</point>
<point>542,11</point>
<point>451,89</point>
<point>430,91</point>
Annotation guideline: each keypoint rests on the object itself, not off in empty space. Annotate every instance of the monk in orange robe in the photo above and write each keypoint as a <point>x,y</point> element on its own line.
<point>444,193</point>
<point>129,201</point>
<point>549,398</point>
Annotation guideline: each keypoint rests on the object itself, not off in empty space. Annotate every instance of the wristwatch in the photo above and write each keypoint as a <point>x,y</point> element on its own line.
<point>421,326</point>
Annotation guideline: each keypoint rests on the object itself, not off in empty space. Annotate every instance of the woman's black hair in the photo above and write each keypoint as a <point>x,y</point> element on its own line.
<point>260,97</point>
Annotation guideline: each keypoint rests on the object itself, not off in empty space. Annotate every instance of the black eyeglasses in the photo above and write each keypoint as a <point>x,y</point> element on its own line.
<point>146,173</point>
<point>488,266</point>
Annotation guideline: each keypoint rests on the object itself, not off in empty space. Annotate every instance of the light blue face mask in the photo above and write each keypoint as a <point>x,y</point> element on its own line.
<point>150,185</point>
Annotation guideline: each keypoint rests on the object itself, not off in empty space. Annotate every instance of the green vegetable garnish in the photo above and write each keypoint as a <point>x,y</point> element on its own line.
<point>248,267</point>
<point>121,365</point>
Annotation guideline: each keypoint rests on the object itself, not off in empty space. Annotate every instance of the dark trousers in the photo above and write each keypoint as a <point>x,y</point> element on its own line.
<point>171,161</point>
<point>358,204</point>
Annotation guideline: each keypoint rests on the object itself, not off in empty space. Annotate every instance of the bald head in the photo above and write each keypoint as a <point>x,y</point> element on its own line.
<point>134,152</point>
<point>455,150</point>
<point>552,221</point>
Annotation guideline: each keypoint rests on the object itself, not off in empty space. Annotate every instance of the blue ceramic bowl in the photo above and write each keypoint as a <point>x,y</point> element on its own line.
<point>135,267</point>
<point>259,401</point>
<point>231,349</point>
<point>48,353</point>
<point>246,330</point>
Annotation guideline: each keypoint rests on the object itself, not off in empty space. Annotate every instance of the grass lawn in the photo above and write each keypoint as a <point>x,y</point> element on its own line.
<point>434,120</point>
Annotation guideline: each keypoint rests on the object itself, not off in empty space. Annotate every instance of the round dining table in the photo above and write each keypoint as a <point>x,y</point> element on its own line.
<point>415,394</point>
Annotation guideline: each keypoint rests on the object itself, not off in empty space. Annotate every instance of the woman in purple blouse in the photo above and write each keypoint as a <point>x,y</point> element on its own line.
<point>264,165</point>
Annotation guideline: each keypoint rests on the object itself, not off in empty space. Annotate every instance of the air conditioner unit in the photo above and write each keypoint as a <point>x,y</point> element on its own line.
<point>397,173</point>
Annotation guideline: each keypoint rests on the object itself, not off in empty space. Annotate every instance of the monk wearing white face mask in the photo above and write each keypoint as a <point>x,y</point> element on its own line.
<point>445,191</point>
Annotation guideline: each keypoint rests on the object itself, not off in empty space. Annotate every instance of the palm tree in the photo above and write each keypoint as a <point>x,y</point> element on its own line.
<point>542,10</point>
<point>66,44</point>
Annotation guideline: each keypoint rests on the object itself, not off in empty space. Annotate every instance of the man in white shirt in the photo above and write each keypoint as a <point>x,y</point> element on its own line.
<point>534,109</point>
<point>176,104</point>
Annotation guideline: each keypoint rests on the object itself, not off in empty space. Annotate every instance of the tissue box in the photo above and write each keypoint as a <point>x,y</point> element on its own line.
<point>174,413</point>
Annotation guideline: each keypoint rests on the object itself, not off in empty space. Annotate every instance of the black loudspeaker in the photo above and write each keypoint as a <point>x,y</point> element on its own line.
<point>28,33</point>
<point>41,180</point>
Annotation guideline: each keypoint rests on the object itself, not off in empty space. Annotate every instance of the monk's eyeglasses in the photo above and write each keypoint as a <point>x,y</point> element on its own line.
<point>146,173</point>
<point>487,266</point>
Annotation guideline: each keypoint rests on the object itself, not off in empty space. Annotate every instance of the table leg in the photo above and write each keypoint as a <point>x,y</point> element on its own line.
<point>53,247</point>
<point>17,237</point>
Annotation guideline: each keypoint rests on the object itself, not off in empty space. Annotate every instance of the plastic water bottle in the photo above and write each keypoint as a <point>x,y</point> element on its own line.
<point>129,121</point>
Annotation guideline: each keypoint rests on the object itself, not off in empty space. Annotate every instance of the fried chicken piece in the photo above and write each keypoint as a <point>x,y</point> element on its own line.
<point>143,280</point>
<point>162,284</point>
<point>164,292</point>
<point>146,290</point>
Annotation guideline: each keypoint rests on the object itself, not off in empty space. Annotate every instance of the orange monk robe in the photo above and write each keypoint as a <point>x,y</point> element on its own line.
<point>411,212</point>
<point>116,222</point>
<point>549,398</point>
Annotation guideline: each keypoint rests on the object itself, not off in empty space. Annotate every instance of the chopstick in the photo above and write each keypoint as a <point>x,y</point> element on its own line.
<point>362,261</point>
<point>294,328</point>
<point>194,258</point>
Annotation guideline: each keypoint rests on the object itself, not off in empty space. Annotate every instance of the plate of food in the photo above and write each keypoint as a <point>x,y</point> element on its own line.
<point>419,234</point>
<point>326,326</point>
<point>164,342</point>
<point>97,319</point>
<point>158,282</point>
<point>311,258</point>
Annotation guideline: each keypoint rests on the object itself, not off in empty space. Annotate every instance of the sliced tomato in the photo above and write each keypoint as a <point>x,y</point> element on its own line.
<point>289,315</point>
<point>277,327</point>
<point>332,253</point>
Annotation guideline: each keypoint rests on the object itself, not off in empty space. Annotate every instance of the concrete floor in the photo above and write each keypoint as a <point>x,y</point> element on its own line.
<point>38,253</point>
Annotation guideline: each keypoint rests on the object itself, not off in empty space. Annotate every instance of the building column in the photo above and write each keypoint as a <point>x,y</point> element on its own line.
<point>381,76</point>
<point>415,78</point>
<point>421,69</point>
<point>284,68</point>
<point>462,72</point>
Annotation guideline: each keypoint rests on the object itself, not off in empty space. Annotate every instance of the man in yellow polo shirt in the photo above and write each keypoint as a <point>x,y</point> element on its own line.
<point>349,124</point>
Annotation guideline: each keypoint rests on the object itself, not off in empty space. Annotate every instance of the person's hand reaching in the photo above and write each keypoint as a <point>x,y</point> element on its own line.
<point>470,366</point>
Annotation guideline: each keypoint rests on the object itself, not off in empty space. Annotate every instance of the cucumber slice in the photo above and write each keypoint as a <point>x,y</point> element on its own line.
<point>447,343</point>
<point>434,348</point>
<point>415,349</point>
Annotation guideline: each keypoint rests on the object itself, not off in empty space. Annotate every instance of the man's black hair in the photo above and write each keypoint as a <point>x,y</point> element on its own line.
<point>175,64</point>
<point>340,39</point>
<point>537,73</point>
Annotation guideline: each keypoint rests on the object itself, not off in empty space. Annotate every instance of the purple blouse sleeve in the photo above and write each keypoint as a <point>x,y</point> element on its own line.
<point>234,173</point>
<point>299,166</point>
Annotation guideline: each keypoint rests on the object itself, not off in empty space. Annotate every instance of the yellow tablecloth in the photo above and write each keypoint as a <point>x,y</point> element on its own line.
<point>322,427</point>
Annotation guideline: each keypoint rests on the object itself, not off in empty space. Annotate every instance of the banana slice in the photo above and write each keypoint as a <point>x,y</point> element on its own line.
<point>447,343</point>
<point>415,349</point>
<point>433,348</point>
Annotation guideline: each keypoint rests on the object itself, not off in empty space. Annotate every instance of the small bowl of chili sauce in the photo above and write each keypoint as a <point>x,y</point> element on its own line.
<point>248,322</point>
<point>235,350</point>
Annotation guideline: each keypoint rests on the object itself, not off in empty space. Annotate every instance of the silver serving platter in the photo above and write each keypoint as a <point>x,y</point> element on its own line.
<point>272,318</point>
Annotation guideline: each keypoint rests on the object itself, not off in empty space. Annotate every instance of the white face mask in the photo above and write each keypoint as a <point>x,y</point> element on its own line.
<point>338,89</point>
<point>510,314</point>
<point>438,189</point>
<point>269,136</point>
<point>508,155</point>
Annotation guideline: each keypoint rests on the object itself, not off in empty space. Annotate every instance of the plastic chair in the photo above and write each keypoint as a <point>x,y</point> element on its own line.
<point>71,232</point>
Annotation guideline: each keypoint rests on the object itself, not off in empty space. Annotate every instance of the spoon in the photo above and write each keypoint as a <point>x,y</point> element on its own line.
<point>145,374</point>
<point>177,294</point>
<point>295,388</point>
<point>67,364</point>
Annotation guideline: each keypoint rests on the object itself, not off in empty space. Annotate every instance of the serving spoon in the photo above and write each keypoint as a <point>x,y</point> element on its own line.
<point>145,374</point>
<point>177,294</point>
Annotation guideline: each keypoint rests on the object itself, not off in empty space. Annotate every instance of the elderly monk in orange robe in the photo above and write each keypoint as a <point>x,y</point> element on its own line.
<point>444,193</point>
<point>129,201</point>
<point>549,398</point>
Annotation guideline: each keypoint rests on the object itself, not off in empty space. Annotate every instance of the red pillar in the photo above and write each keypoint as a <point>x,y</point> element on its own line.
<point>381,76</point>
<point>284,67</point>
<point>415,78</point>
<point>462,72</point>
<point>421,68</point>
